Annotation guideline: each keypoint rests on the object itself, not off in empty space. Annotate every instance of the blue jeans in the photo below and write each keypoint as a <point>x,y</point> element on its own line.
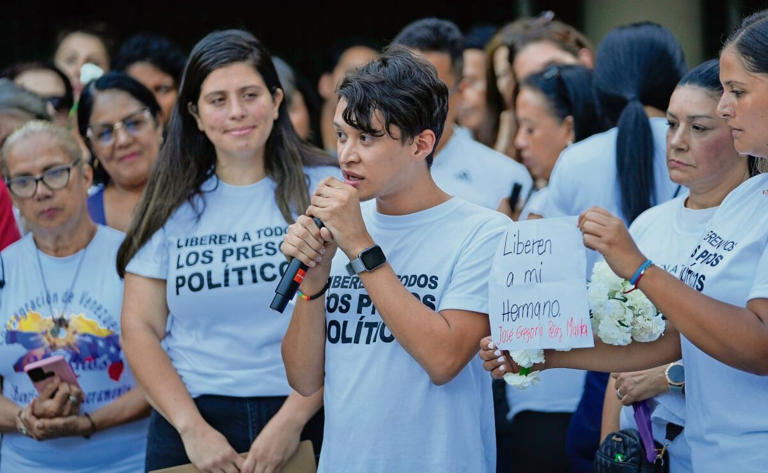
<point>239,419</point>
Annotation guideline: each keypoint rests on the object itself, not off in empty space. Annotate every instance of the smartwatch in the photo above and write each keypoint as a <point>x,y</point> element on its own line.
<point>368,260</point>
<point>675,374</point>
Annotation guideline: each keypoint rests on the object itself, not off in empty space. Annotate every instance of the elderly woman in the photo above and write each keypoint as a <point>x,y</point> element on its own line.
<point>62,297</point>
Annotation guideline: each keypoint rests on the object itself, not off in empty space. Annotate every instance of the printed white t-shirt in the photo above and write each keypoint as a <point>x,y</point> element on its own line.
<point>585,176</point>
<point>382,412</point>
<point>221,270</point>
<point>86,331</point>
<point>666,234</point>
<point>468,169</point>
<point>727,409</point>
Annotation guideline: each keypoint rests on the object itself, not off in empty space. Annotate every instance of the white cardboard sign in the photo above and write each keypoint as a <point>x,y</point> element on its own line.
<point>538,295</point>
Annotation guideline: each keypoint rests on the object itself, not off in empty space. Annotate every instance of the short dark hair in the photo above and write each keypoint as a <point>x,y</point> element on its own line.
<point>99,30</point>
<point>433,35</point>
<point>403,88</point>
<point>156,50</point>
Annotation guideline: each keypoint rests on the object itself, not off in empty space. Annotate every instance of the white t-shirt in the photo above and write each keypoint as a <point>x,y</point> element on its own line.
<point>468,169</point>
<point>86,331</point>
<point>221,270</point>
<point>382,412</point>
<point>727,409</point>
<point>537,204</point>
<point>558,390</point>
<point>666,234</point>
<point>585,175</point>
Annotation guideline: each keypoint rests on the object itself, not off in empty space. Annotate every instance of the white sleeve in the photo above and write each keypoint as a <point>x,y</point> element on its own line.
<point>151,260</point>
<point>760,284</point>
<point>468,287</point>
<point>557,202</point>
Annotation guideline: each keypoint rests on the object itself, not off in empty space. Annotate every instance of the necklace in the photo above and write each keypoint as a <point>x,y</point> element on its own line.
<point>60,321</point>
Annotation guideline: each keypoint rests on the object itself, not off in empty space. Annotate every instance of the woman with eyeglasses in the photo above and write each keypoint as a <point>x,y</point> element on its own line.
<point>60,297</point>
<point>120,121</point>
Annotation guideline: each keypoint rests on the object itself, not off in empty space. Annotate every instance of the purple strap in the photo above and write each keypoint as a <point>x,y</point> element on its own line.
<point>643,421</point>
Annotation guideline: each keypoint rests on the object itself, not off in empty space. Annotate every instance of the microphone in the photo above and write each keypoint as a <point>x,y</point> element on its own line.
<point>290,281</point>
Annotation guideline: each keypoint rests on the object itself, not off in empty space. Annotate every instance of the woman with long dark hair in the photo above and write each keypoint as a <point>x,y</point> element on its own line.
<point>717,305</point>
<point>201,261</point>
<point>120,123</point>
<point>624,169</point>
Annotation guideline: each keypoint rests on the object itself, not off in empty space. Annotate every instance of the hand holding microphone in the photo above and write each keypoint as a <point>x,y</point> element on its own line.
<point>310,245</point>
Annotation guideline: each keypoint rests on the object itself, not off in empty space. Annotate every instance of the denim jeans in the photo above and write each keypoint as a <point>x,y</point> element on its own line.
<point>239,419</point>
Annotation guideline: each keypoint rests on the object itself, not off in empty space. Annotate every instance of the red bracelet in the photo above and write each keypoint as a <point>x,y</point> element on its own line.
<point>637,281</point>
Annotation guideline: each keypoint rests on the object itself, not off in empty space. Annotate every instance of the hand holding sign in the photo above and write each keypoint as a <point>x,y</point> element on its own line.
<point>538,297</point>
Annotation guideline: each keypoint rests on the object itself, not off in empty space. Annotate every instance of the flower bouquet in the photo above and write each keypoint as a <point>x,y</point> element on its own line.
<point>619,312</point>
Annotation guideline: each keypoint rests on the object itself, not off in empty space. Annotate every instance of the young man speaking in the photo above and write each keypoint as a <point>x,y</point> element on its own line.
<point>390,324</point>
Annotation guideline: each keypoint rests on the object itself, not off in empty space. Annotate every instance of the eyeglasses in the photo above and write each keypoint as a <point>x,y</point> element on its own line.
<point>55,178</point>
<point>104,134</point>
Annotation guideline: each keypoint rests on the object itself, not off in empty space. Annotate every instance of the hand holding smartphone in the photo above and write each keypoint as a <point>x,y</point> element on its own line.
<point>43,371</point>
<point>59,394</point>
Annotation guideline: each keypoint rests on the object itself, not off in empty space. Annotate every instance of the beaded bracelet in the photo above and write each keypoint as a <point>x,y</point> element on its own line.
<point>305,297</point>
<point>635,279</point>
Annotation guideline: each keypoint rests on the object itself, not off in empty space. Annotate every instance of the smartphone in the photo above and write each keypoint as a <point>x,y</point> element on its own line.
<point>42,372</point>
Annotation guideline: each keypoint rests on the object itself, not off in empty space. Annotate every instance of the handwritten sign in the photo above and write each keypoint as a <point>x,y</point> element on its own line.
<point>538,295</point>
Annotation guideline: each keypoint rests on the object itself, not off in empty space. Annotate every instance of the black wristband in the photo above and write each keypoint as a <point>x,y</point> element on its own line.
<point>93,425</point>
<point>305,297</point>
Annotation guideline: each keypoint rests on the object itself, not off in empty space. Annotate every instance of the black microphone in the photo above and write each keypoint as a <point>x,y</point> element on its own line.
<point>290,281</point>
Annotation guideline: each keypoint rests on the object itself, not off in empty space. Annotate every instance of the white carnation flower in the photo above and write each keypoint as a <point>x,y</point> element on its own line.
<point>611,332</point>
<point>618,312</point>
<point>522,381</point>
<point>604,275</point>
<point>640,304</point>
<point>598,296</point>
<point>647,329</point>
<point>90,72</point>
<point>527,358</point>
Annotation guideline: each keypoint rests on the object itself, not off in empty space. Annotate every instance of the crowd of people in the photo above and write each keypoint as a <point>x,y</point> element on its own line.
<point>152,199</point>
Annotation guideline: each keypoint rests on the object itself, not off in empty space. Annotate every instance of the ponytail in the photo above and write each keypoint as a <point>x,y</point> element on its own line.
<point>636,65</point>
<point>634,160</point>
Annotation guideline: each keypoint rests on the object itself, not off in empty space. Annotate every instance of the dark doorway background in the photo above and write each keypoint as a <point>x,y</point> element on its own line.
<point>300,32</point>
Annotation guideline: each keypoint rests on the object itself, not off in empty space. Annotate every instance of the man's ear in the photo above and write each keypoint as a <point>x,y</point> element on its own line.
<point>424,143</point>
<point>192,109</point>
